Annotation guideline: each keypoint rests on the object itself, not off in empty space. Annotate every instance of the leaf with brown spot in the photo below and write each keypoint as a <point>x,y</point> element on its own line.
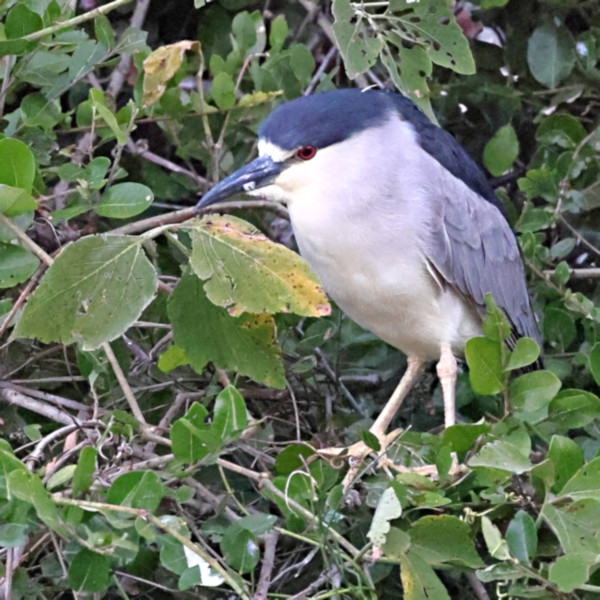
<point>161,65</point>
<point>246,272</point>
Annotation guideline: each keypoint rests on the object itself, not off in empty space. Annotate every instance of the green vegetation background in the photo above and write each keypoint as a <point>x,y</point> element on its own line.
<point>165,380</point>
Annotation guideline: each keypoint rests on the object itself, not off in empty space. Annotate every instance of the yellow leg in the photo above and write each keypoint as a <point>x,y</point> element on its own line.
<point>359,451</point>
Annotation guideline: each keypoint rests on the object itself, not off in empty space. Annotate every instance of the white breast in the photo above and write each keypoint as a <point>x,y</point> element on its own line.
<point>359,233</point>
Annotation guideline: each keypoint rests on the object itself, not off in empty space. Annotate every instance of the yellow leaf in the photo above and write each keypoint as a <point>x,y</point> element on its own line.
<point>246,272</point>
<point>161,65</point>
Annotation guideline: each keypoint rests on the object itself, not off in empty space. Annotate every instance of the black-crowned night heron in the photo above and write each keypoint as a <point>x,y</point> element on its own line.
<point>398,222</point>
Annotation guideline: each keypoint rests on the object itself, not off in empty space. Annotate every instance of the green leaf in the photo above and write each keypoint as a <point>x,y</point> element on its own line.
<point>484,358</point>
<point>89,572</point>
<point>496,545</point>
<point>138,489</point>
<point>12,534</point>
<point>501,151</point>
<point>208,333</point>
<point>292,457</point>
<point>576,524</point>
<point>388,509</point>
<point>21,21</point>
<point>17,167</point>
<point>222,91</point>
<point>230,415</point>
<point>370,440</point>
<point>432,25</point>
<point>29,487</point>
<point>550,54</point>
<point>442,539</point>
<point>397,543</point>
<point>301,62</point>
<point>124,200</point>
<point>461,437</point>
<point>172,358</point>
<point>595,362</point>
<point>192,439</point>
<point>98,104</point>
<point>571,409</point>
<point>15,201</point>
<point>110,282</point>
<point>278,33</point>
<point>16,265</point>
<point>243,30</point>
<point>358,45</point>
<point>521,537</point>
<point>567,458</point>
<point>525,353</point>
<point>585,483</point>
<point>258,524</point>
<point>84,472</point>
<point>247,272</point>
<point>409,69</point>
<point>502,455</point>
<point>570,572</point>
<point>240,548</point>
<point>103,31</point>
<point>419,580</point>
<point>531,391</point>
<point>40,112</point>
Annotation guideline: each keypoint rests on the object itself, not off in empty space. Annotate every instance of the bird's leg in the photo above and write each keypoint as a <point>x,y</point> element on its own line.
<point>359,451</point>
<point>413,370</point>
<point>446,371</point>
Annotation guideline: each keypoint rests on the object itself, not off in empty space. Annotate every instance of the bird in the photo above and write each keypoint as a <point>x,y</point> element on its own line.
<point>398,222</point>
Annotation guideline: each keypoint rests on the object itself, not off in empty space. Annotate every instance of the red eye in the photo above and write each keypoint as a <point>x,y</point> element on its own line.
<point>306,152</point>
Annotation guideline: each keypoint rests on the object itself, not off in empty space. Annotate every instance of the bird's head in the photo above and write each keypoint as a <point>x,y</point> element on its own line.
<point>305,142</point>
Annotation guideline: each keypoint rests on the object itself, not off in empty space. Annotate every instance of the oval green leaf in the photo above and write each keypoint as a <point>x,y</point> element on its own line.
<point>110,282</point>
<point>125,200</point>
<point>17,167</point>
<point>16,265</point>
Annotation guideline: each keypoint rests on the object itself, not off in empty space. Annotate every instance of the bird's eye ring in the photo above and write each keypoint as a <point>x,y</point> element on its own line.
<point>306,152</point>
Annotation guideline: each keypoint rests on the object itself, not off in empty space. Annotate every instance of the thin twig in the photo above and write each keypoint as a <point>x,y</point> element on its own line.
<point>11,396</point>
<point>22,297</point>
<point>268,563</point>
<point>92,14</point>
<point>585,273</point>
<point>179,216</point>
<point>167,164</point>
<point>121,71</point>
<point>131,400</point>
<point>52,398</point>
<point>477,586</point>
<point>41,254</point>
<point>306,592</point>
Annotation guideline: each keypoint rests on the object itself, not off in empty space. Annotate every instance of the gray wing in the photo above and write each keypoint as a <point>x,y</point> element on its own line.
<point>474,250</point>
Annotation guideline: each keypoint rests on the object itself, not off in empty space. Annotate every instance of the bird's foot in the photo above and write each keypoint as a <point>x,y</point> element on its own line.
<point>425,470</point>
<point>357,453</point>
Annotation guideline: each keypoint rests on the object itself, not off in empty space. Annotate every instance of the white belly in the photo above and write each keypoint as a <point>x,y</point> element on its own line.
<point>378,278</point>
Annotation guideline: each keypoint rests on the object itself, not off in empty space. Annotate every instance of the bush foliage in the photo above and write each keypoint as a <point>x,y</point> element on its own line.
<point>167,378</point>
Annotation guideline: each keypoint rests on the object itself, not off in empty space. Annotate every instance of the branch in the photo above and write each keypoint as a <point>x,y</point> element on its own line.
<point>585,273</point>
<point>264,581</point>
<point>179,216</point>
<point>92,14</point>
<point>50,412</point>
<point>129,395</point>
<point>120,73</point>
<point>39,252</point>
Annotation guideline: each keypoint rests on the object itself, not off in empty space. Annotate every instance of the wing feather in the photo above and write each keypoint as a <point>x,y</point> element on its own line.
<point>474,250</point>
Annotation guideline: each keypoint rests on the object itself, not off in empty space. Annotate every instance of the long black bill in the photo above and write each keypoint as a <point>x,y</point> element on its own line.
<point>254,175</point>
